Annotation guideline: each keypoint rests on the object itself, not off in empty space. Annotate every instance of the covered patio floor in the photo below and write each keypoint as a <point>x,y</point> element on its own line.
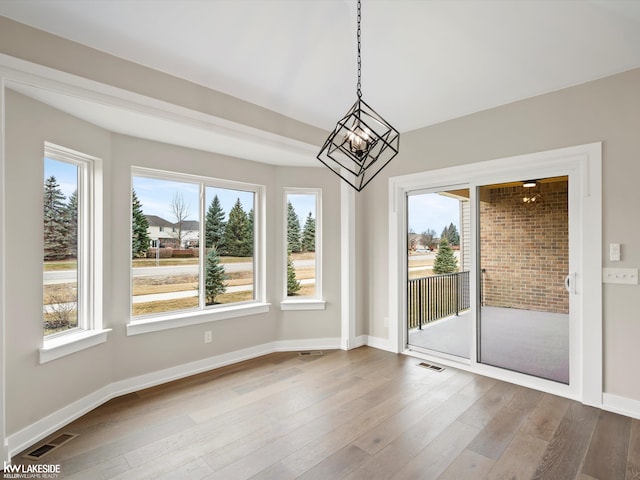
<point>526,341</point>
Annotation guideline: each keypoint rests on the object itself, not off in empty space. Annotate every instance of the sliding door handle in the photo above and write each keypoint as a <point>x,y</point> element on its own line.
<point>570,283</point>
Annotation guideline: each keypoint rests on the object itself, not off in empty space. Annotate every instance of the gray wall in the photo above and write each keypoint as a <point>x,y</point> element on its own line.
<point>606,110</point>
<point>28,124</point>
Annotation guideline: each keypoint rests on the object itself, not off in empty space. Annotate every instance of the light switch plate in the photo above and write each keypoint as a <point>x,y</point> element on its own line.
<point>627,276</point>
<point>614,252</point>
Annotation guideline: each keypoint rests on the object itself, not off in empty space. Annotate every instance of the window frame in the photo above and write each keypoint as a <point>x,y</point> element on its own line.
<point>89,331</point>
<point>315,302</point>
<point>206,313</point>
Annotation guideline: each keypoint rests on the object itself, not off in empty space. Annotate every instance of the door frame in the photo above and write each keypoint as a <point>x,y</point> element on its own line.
<point>583,163</point>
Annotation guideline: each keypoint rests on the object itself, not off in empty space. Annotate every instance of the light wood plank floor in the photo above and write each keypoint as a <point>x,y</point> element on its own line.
<point>363,414</point>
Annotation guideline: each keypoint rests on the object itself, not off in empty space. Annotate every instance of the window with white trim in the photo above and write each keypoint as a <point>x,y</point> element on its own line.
<point>194,244</point>
<point>302,244</point>
<point>69,253</point>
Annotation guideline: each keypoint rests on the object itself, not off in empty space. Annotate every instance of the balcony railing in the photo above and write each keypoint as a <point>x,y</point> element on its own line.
<point>436,297</point>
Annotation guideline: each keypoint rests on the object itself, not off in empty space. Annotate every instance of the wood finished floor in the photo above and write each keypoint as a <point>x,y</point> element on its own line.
<point>363,414</point>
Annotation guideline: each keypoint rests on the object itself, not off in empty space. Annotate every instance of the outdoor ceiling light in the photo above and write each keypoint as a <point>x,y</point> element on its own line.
<point>529,183</point>
<point>362,143</point>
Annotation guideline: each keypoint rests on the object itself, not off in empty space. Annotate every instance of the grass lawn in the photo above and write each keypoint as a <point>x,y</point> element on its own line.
<point>167,262</point>
<point>147,285</point>
<point>165,306</point>
<point>55,265</point>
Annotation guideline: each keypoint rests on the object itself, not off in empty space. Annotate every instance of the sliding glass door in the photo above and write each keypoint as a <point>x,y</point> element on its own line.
<point>439,264</point>
<point>524,280</point>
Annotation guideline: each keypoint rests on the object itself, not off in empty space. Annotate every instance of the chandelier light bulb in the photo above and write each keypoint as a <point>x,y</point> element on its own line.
<point>360,141</point>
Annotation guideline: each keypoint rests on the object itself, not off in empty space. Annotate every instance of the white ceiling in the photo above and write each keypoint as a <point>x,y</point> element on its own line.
<point>423,61</point>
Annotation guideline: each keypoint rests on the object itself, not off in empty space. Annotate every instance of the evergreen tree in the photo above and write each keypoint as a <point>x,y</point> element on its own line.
<point>139,228</point>
<point>451,234</point>
<point>214,283</point>
<point>55,227</point>
<point>71,218</point>
<point>293,229</point>
<point>250,229</point>
<point>445,233</point>
<point>293,285</point>
<point>238,239</point>
<point>215,225</point>
<point>309,234</point>
<point>445,261</point>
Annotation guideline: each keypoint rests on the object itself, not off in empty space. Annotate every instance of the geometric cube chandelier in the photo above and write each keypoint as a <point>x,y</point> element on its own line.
<point>362,143</point>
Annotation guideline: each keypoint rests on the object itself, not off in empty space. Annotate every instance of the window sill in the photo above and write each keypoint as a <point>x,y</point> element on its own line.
<point>166,322</point>
<point>303,304</point>
<point>74,342</point>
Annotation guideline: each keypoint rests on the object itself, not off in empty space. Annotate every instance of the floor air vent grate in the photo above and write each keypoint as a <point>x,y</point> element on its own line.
<point>314,353</point>
<point>435,368</point>
<point>50,446</point>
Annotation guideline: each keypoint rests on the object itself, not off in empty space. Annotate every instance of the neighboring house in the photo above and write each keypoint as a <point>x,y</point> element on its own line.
<point>161,230</point>
<point>167,232</point>
<point>190,233</point>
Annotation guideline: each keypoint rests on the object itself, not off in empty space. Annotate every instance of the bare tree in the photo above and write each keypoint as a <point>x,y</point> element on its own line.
<point>180,211</point>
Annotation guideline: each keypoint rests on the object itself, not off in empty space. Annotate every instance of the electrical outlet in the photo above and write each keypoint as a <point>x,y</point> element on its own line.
<point>208,336</point>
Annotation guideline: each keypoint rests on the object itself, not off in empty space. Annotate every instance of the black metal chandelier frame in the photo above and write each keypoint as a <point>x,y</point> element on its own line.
<point>362,143</point>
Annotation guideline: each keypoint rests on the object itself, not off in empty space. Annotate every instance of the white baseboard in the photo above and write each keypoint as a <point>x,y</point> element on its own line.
<point>40,429</point>
<point>308,344</point>
<point>49,424</point>
<point>622,405</point>
<point>361,341</point>
<point>380,343</point>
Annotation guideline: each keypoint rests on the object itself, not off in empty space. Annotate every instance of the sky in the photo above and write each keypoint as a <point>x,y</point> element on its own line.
<point>66,175</point>
<point>432,211</point>
<point>303,204</point>
<point>156,194</point>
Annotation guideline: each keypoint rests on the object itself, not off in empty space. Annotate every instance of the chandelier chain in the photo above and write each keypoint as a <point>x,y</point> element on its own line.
<point>359,86</point>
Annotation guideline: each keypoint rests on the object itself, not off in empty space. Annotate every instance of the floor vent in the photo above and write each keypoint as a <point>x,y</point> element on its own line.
<point>313,353</point>
<point>50,446</point>
<point>435,368</point>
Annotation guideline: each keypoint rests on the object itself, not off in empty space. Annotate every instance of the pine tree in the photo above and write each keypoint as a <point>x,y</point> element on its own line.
<point>309,235</point>
<point>452,235</point>
<point>139,228</point>
<point>71,218</point>
<point>238,239</point>
<point>250,229</point>
<point>293,285</point>
<point>293,229</point>
<point>214,283</point>
<point>215,225</point>
<point>445,234</point>
<point>55,228</point>
<point>445,261</point>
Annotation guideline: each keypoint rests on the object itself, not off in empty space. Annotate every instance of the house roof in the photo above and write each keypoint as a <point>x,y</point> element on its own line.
<point>190,225</point>
<point>155,221</point>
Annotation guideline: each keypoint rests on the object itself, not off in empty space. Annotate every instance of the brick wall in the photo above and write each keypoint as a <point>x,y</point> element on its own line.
<point>525,249</point>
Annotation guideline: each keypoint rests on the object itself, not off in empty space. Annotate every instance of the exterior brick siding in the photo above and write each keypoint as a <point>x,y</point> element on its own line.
<point>525,249</point>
